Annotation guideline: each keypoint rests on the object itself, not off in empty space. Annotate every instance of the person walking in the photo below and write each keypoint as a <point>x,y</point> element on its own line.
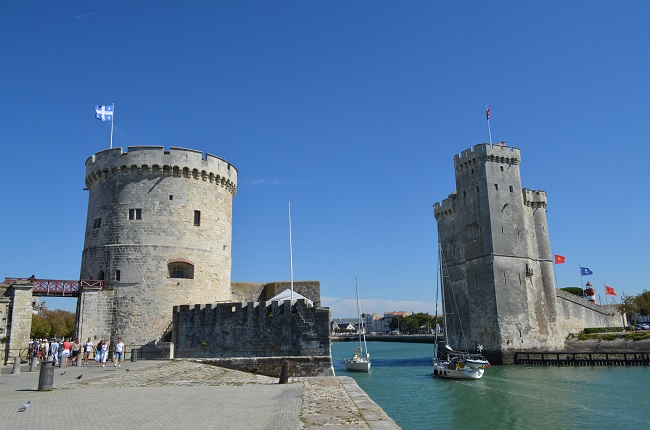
<point>98,352</point>
<point>88,350</point>
<point>76,347</point>
<point>54,351</point>
<point>119,353</point>
<point>104,352</point>
<point>65,353</point>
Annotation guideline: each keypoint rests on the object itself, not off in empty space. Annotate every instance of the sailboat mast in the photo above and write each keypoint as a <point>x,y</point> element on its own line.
<point>356,285</point>
<point>442,290</point>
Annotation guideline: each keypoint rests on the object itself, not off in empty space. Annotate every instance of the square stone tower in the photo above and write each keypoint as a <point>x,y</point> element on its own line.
<point>496,258</point>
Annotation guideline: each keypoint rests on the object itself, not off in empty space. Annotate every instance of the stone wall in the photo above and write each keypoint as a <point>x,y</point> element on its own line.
<point>260,330</point>
<point>16,314</point>
<point>576,314</point>
<point>94,314</point>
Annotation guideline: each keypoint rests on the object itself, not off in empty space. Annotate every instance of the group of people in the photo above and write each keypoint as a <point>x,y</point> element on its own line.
<point>100,352</point>
<point>61,352</point>
<point>66,350</point>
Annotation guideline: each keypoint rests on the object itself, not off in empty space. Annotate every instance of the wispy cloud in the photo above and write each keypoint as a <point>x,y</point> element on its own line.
<point>264,181</point>
<point>91,13</point>
<point>347,308</point>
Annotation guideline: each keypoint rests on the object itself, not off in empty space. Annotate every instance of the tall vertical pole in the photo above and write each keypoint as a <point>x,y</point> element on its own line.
<point>112,122</point>
<point>290,253</point>
<point>487,114</point>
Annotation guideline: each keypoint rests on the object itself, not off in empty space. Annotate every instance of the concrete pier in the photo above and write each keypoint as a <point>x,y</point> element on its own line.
<point>183,394</point>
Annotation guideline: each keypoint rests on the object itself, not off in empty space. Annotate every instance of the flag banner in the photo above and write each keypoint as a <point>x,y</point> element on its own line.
<point>584,271</point>
<point>610,291</point>
<point>487,113</point>
<point>104,113</point>
<point>559,259</point>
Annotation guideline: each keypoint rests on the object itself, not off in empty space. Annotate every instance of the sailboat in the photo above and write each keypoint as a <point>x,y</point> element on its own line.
<point>360,362</point>
<point>454,364</point>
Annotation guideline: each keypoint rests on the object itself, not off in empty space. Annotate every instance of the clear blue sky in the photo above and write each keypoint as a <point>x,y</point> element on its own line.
<point>351,110</point>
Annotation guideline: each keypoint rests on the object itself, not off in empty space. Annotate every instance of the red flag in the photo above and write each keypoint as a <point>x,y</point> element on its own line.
<point>559,259</point>
<point>610,291</point>
<point>487,113</point>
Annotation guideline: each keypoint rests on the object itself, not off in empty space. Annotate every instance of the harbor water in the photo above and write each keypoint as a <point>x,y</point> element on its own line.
<point>507,397</point>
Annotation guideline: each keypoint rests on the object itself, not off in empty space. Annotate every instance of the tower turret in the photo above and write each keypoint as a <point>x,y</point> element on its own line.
<point>159,232</point>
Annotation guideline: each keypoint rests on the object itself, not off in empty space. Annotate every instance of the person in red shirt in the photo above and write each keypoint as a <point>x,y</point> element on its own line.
<point>65,352</point>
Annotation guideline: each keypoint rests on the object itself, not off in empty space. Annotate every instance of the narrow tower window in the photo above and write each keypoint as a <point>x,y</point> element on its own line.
<point>97,222</point>
<point>511,189</point>
<point>496,187</point>
<point>197,218</point>
<point>135,214</point>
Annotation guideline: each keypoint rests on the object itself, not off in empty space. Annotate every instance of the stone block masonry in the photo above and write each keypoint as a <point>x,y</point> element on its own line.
<point>260,333</point>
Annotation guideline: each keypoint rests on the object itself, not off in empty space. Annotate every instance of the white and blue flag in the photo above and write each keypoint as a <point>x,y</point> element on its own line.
<point>104,113</point>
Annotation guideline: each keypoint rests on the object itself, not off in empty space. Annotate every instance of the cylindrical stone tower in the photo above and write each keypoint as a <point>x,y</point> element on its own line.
<point>159,232</point>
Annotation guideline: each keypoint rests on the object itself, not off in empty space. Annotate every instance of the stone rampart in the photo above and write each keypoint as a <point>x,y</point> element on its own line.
<point>254,330</point>
<point>576,314</point>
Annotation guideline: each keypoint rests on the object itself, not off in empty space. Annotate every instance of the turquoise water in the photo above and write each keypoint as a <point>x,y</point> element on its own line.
<point>507,397</point>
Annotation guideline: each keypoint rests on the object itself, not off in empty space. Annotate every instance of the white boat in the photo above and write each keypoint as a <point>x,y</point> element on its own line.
<point>452,364</point>
<point>360,362</point>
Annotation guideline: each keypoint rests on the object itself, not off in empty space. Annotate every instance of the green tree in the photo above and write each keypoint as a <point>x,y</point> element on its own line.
<point>56,323</point>
<point>40,327</point>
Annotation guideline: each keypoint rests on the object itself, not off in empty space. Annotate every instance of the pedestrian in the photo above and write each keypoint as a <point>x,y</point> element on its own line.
<point>104,352</point>
<point>88,350</point>
<point>119,353</point>
<point>43,350</point>
<point>65,353</point>
<point>76,347</point>
<point>98,352</point>
<point>30,351</point>
<point>54,350</point>
<point>33,349</point>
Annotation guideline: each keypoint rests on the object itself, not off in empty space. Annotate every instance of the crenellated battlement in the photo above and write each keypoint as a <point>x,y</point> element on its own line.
<point>156,161</point>
<point>498,152</point>
<point>254,330</point>
<point>534,198</point>
<point>444,208</point>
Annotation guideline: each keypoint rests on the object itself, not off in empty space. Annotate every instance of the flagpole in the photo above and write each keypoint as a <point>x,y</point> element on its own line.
<point>290,253</point>
<point>112,122</point>
<point>487,112</point>
<point>554,270</point>
<point>582,290</point>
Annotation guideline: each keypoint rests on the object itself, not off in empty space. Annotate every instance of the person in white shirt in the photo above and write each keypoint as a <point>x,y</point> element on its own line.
<point>88,350</point>
<point>119,353</point>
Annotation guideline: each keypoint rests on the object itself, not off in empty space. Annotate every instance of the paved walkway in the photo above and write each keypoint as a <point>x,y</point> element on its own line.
<point>182,394</point>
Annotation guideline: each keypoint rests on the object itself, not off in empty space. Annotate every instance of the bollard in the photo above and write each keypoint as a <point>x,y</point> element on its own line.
<point>134,355</point>
<point>46,377</point>
<point>284,374</point>
<point>34,364</point>
<point>16,370</point>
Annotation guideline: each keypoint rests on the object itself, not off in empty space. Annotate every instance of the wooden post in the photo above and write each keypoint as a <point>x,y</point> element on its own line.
<point>284,373</point>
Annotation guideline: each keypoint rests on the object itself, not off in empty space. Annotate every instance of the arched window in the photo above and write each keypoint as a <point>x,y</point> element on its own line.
<point>181,269</point>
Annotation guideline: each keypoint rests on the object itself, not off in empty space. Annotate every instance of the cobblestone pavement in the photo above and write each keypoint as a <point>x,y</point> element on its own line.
<point>183,394</point>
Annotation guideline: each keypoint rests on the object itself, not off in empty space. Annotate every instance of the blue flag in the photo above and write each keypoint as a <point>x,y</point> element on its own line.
<point>585,271</point>
<point>104,113</point>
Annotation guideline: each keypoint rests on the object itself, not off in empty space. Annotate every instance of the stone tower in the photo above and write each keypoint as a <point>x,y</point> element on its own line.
<point>159,232</point>
<point>496,253</point>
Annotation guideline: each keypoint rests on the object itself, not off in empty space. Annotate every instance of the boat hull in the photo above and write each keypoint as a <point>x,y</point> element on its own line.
<point>357,365</point>
<point>451,371</point>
